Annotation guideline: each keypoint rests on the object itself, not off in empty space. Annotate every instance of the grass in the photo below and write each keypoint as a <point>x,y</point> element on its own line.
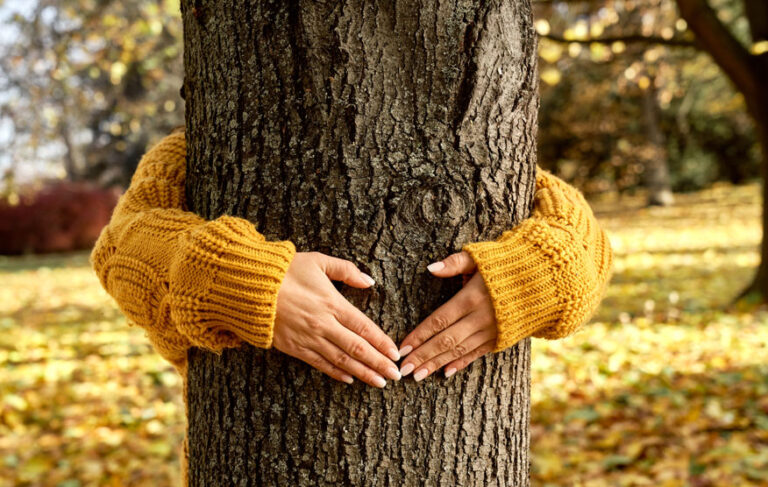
<point>668,386</point>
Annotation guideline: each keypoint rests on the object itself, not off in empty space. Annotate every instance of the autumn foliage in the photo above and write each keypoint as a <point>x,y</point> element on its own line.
<point>59,217</point>
<point>667,386</point>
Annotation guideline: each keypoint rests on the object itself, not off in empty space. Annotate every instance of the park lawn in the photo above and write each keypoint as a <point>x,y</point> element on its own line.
<point>668,386</point>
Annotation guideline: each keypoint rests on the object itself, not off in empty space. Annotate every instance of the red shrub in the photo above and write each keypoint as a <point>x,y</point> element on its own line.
<point>60,217</point>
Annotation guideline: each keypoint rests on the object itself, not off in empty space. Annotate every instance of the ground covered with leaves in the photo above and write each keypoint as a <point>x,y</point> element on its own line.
<point>668,386</point>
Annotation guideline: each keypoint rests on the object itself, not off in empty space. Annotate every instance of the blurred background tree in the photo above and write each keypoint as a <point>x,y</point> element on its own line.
<point>666,100</point>
<point>639,97</point>
<point>85,85</point>
<point>653,95</point>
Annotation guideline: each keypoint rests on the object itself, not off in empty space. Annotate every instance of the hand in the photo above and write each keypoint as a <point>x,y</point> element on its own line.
<point>316,324</point>
<point>458,332</point>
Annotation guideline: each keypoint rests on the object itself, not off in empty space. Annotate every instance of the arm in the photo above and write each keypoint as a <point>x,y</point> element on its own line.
<point>187,281</point>
<point>543,278</point>
<point>547,275</point>
<point>215,284</point>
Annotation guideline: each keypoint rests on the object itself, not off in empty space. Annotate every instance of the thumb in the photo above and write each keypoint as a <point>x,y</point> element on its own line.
<point>343,270</point>
<point>453,265</point>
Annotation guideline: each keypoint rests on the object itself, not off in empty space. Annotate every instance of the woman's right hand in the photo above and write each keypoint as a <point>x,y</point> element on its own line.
<point>316,324</point>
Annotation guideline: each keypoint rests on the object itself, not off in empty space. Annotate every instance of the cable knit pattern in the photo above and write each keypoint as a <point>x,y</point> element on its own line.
<point>187,281</point>
<point>547,275</point>
<point>213,284</point>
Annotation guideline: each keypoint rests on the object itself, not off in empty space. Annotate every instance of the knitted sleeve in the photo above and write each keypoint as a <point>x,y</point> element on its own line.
<point>185,280</point>
<point>547,275</point>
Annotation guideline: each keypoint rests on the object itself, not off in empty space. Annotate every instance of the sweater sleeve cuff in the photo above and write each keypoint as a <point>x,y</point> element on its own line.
<point>226,284</point>
<point>514,270</point>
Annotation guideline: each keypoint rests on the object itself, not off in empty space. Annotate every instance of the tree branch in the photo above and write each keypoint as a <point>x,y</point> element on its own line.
<point>628,39</point>
<point>732,57</point>
<point>757,16</point>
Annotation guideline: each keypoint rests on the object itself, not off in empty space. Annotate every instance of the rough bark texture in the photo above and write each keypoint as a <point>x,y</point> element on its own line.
<point>388,133</point>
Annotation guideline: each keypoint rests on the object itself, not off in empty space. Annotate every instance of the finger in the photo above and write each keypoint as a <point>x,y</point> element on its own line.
<point>356,321</point>
<point>449,340</point>
<point>461,350</point>
<point>317,361</point>
<point>362,351</point>
<point>465,279</point>
<point>440,319</point>
<point>453,265</point>
<point>467,359</point>
<point>343,270</point>
<point>342,360</point>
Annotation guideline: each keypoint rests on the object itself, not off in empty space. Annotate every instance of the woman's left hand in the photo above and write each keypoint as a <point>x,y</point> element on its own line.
<point>458,332</point>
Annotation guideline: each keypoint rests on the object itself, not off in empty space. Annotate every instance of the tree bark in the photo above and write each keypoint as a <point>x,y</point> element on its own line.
<point>385,132</point>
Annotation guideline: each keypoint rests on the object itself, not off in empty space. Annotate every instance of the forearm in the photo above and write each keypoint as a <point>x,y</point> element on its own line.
<point>547,275</point>
<point>187,281</point>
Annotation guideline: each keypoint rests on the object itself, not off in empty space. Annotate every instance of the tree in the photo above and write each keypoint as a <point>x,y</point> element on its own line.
<point>87,84</point>
<point>742,57</point>
<point>384,132</point>
<point>747,68</point>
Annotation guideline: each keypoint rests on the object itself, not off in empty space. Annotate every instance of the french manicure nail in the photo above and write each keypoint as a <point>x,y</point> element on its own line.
<point>435,266</point>
<point>450,372</point>
<point>393,373</point>
<point>420,374</point>
<point>394,354</point>
<point>368,279</point>
<point>379,381</point>
<point>347,378</point>
<point>407,369</point>
<point>405,350</point>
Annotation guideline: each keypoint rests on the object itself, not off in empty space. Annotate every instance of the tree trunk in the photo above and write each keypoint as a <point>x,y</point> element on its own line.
<point>758,288</point>
<point>749,74</point>
<point>388,133</point>
<point>657,166</point>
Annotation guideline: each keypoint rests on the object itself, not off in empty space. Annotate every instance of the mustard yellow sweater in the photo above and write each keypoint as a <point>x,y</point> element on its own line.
<point>190,282</point>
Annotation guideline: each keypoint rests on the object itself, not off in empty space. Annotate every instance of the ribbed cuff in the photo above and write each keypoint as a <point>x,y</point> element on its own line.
<point>228,281</point>
<point>520,279</point>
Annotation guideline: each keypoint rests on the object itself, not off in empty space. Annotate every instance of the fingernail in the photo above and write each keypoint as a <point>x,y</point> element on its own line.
<point>420,374</point>
<point>368,279</point>
<point>435,266</point>
<point>450,372</point>
<point>347,378</point>
<point>407,369</point>
<point>379,381</point>
<point>405,350</point>
<point>393,373</point>
<point>394,354</point>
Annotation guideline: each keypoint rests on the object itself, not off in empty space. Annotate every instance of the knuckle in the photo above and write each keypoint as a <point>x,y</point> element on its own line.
<point>357,326</point>
<point>341,360</point>
<point>459,350</point>
<point>332,304</point>
<point>357,349</point>
<point>349,267</point>
<point>447,342</point>
<point>438,323</point>
<point>314,323</point>
<point>316,362</point>
<point>363,328</point>
<point>383,342</point>
<point>480,352</point>
<point>474,299</point>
